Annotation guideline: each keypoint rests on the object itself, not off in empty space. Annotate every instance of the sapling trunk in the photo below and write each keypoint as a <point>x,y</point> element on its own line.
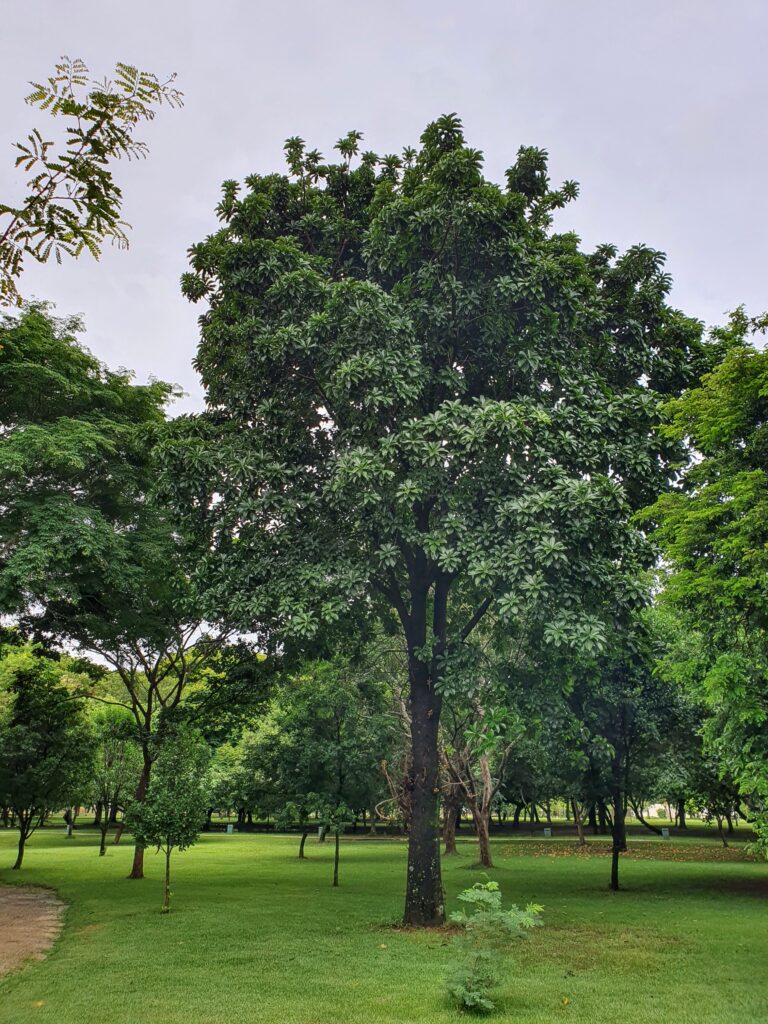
<point>167,895</point>
<point>336,860</point>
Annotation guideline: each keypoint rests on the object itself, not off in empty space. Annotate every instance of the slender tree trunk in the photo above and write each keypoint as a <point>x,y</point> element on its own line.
<point>516,816</point>
<point>618,832</point>
<point>167,893</point>
<point>20,854</point>
<point>720,831</point>
<point>137,870</point>
<point>336,860</point>
<point>103,827</point>
<point>729,819</point>
<point>480,819</point>
<point>98,811</point>
<point>301,844</point>
<point>602,818</point>
<point>681,814</point>
<point>118,834</point>
<point>451,812</point>
<point>579,822</point>
<point>639,815</point>
<point>424,906</point>
<point>592,819</point>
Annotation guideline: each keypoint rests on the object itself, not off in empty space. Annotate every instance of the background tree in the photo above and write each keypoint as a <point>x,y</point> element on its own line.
<point>72,201</point>
<point>714,534</point>
<point>45,742</point>
<point>117,764</point>
<point>477,740</point>
<point>327,736</point>
<point>88,557</point>
<point>172,813</point>
<point>421,398</point>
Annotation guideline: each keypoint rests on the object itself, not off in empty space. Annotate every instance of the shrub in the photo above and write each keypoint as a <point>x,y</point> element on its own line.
<point>481,947</point>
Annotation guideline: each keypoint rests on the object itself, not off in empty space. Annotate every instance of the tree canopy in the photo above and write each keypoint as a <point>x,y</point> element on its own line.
<point>422,399</point>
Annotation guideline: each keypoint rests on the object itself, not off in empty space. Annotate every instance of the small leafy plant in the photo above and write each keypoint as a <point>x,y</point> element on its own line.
<point>481,947</point>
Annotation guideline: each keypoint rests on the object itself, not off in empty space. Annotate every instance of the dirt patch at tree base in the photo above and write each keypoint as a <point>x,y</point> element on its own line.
<point>31,920</point>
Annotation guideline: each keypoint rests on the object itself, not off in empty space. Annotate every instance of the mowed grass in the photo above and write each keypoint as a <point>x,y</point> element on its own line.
<point>257,935</point>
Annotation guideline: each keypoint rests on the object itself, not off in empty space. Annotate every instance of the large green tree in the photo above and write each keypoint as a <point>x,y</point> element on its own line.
<point>46,747</point>
<point>421,399</point>
<point>713,530</point>
<point>87,556</point>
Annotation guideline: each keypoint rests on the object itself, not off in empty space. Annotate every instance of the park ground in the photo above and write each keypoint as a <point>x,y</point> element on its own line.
<point>255,935</point>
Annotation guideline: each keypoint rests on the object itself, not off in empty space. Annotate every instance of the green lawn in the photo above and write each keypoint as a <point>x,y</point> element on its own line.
<point>257,935</point>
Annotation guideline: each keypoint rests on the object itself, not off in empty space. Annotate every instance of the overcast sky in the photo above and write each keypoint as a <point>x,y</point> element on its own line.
<point>657,108</point>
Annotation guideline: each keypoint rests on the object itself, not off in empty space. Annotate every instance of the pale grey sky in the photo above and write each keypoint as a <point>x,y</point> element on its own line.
<point>657,108</point>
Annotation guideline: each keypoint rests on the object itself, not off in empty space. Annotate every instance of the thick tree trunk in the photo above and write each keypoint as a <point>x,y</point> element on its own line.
<point>336,861</point>
<point>167,892</point>
<point>424,906</point>
<point>99,810</point>
<point>137,870</point>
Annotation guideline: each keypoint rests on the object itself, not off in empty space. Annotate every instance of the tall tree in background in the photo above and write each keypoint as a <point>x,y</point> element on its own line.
<point>422,400</point>
<point>72,201</point>
<point>45,742</point>
<point>714,534</point>
<point>87,556</point>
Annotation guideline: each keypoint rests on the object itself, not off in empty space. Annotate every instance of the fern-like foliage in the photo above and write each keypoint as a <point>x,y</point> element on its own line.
<point>72,201</point>
<point>480,951</point>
